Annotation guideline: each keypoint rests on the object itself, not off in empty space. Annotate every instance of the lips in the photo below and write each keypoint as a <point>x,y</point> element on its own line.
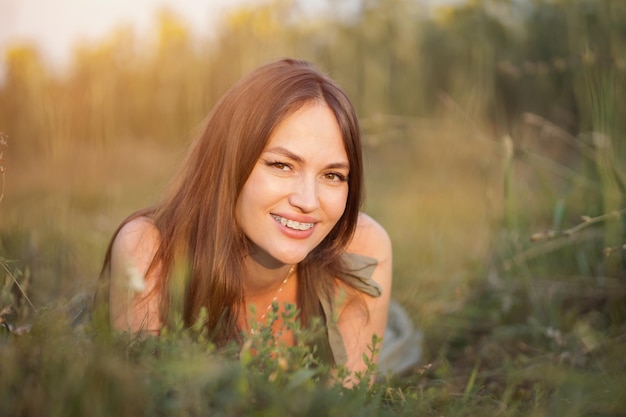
<point>292,224</point>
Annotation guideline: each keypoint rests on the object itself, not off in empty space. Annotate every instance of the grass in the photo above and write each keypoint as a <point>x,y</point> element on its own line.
<point>508,329</point>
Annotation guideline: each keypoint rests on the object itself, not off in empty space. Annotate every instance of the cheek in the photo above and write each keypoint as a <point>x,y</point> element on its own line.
<point>336,204</point>
<point>257,195</point>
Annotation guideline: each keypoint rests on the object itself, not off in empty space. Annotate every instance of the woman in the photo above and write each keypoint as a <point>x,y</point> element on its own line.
<point>264,211</point>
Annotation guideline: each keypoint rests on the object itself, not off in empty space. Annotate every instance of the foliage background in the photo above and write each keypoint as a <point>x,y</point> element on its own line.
<point>485,124</point>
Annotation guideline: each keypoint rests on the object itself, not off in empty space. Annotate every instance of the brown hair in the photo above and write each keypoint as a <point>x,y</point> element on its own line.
<point>196,217</point>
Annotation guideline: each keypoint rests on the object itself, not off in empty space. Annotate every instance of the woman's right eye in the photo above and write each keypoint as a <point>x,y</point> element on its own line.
<point>278,165</point>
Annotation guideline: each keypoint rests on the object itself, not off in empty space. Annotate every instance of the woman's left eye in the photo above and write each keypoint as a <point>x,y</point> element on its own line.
<point>335,176</point>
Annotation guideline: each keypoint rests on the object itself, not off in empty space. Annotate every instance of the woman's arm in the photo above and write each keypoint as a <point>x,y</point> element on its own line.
<point>134,298</point>
<point>356,327</point>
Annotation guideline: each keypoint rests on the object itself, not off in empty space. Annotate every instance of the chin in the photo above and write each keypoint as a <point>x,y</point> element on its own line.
<point>293,259</point>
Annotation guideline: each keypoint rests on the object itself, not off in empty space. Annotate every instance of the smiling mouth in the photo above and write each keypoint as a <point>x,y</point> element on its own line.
<point>292,224</point>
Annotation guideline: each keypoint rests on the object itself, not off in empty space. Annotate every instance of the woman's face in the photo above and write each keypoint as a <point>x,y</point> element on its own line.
<point>297,190</point>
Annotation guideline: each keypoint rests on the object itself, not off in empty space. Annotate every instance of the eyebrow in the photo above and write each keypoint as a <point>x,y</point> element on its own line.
<point>286,152</point>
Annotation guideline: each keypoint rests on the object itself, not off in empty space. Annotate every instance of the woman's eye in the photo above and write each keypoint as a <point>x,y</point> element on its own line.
<point>335,176</point>
<point>278,165</point>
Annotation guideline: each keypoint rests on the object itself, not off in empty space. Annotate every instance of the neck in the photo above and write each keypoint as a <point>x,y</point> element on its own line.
<point>259,279</point>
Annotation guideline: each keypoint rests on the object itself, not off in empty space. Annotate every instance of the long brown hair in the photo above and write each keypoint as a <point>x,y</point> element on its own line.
<point>196,216</point>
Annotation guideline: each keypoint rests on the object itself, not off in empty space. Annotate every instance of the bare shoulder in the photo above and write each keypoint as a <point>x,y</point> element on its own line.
<point>137,240</point>
<point>133,296</point>
<point>358,325</point>
<point>370,239</point>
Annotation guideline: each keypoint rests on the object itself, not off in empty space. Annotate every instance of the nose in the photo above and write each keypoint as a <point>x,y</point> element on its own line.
<point>304,195</point>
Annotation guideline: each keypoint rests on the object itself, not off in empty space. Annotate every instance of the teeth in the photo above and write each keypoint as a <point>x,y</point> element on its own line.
<point>292,224</point>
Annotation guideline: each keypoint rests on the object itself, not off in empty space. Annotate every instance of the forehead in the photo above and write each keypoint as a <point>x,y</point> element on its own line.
<point>311,129</point>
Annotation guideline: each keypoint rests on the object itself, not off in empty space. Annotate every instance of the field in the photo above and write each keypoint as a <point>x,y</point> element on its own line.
<point>495,159</point>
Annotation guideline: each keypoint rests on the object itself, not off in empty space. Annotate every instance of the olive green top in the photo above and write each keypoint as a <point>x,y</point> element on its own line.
<point>360,277</point>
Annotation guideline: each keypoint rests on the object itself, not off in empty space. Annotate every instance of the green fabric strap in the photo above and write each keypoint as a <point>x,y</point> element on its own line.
<point>360,269</point>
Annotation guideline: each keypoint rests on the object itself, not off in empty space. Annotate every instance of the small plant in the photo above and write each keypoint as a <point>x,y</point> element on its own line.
<point>176,373</point>
<point>14,300</point>
<point>15,304</point>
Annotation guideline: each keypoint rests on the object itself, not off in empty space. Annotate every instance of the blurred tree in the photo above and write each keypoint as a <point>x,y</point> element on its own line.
<point>466,43</point>
<point>497,59</point>
<point>179,80</point>
<point>25,100</point>
<point>250,37</point>
<point>93,84</point>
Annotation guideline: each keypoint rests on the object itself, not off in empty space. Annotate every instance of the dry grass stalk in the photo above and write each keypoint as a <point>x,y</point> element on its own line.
<point>586,222</point>
<point>3,144</point>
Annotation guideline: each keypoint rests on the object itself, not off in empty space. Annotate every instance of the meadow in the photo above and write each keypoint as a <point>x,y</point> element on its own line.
<point>495,150</point>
